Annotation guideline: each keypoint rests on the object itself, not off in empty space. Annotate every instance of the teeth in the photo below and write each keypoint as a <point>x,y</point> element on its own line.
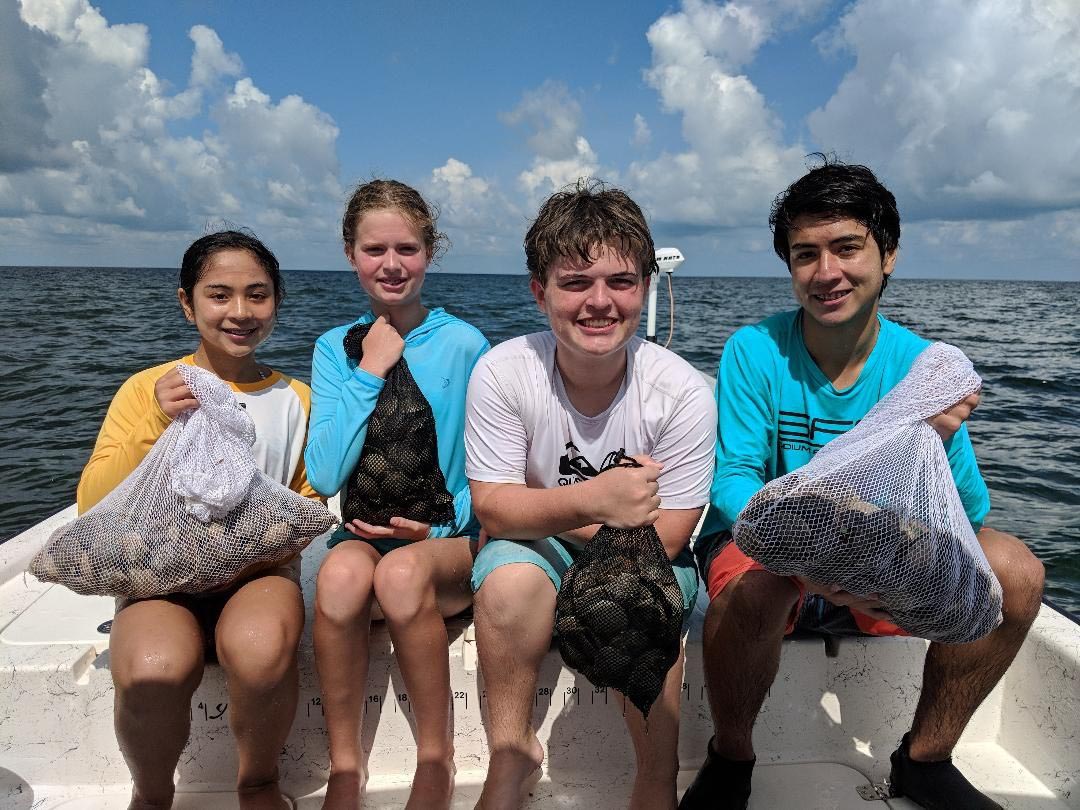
<point>831,296</point>
<point>598,323</point>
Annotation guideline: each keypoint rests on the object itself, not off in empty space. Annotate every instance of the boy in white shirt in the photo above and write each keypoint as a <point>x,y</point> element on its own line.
<point>547,413</point>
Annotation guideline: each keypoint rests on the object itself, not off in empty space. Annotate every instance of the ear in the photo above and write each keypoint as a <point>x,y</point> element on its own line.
<point>348,251</point>
<point>890,262</point>
<point>185,304</point>
<point>537,290</point>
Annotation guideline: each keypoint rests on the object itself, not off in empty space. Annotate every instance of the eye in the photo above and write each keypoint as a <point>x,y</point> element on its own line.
<point>847,250</point>
<point>802,255</point>
<point>408,250</point>
<point>623,283</point>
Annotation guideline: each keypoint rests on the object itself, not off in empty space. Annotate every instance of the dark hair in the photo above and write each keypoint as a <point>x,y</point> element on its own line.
<point>575,222</point>
<point>202,249</point>
<point>837,190</point>
<point>382,195</point>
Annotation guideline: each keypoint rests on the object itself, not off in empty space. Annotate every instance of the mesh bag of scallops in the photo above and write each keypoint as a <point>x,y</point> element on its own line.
<point>619,611</point>
<point>876,511</point>
<point>191,517</point>
<point>398,473</point>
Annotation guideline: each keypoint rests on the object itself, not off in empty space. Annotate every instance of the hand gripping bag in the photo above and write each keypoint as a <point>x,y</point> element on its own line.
<point>398,474</point>
<point>877,511</point>
<point>619,611</point>
<point>196,513</point>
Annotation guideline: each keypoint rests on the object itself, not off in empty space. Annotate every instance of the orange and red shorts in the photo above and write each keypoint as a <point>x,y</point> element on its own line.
<point>720,562</point>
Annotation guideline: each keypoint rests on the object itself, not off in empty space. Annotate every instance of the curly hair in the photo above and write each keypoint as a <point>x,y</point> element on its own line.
<point>578,220</point>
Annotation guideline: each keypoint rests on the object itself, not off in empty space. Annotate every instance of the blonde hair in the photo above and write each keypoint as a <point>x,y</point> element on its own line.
<point>382,195</point>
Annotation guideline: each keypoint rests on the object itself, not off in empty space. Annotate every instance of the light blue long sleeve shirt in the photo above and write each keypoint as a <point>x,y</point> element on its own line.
<point>776,409</point>
<point>441,353</point>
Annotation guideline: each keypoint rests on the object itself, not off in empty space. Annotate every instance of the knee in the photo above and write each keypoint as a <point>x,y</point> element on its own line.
<point>257,652</point>
<point>343,588</point>
<point>403,585</point>
<point>1020,573</point>
<point>510,589</point>
<point>756,604</point>
<point>157,668</point>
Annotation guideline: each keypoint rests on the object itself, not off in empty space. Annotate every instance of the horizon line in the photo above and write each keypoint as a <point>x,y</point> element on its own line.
<point>522,274</point>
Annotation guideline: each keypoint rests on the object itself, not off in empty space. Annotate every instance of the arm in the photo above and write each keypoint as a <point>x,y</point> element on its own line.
<point>341,402</point>
<point>621,497</point>
<point>746,432</point>
<point>132,424</point>
<point>496,445</point>
<point>969,481</point>
<point>301,485</point>
<point>463,506</point>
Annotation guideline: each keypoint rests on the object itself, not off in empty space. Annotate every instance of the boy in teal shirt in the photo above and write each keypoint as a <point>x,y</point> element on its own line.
<point>785,387</point>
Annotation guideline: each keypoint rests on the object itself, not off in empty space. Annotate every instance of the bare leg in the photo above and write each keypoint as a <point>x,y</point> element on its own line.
<point>514,617</point>
<point>156,658</point>
<point>958,677</point>
<point>417,586</point>
<point>744,628</point>
<point>257,635</point>
<point>344,595</point>
<point>656,746</point>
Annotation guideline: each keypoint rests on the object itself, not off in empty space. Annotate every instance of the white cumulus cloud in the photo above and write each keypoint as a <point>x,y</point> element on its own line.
<point>969,109</point>
<point>736,159</point>
<point>476,215</point>
<point>108,164</point>
<point>562,153</point>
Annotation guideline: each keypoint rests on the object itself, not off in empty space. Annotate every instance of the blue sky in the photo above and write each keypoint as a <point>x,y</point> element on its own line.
<point>126,128</point>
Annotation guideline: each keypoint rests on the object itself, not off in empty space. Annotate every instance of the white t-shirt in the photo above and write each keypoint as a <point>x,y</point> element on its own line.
<point>520,427</point>
<point>280,416</point>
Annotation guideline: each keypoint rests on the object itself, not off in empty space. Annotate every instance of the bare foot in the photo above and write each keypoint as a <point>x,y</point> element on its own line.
<point>343,790</point>
<point>140,803</point>
<point>653,794</point>
<point>432,786</point>
<point>262,797</point>
<point>512,773</point>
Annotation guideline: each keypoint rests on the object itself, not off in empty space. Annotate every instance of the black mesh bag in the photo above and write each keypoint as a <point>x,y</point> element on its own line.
<point>398,472</point>
<point>619,612</point>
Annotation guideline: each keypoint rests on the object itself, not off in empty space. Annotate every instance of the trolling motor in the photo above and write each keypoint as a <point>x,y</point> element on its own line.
<point>667,259</point>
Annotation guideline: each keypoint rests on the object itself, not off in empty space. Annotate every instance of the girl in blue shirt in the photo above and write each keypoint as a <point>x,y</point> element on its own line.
<point>419,574</point>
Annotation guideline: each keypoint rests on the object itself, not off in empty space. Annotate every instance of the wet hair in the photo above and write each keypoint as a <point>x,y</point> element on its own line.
<point>392,195</point>
<point>576,222</point>
<point>837,190</point>
<point>198,256</point>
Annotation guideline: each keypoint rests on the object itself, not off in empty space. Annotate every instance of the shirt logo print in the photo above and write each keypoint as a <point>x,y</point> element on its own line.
<point>800,431</point>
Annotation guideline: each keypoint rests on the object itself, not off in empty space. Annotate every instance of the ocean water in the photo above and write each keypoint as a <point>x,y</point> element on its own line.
<point>72,335</point>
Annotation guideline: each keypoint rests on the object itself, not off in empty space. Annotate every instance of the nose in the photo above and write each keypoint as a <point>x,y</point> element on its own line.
<point>599,297</point>
<point>240,310</point>
<point>392,260</point>
<point>828,266</point>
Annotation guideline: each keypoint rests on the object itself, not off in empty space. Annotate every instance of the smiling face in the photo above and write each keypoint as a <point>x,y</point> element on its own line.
<point>593,309</point>
<point>836,270</point>
<point>232,305</point>
<point>390,259</point>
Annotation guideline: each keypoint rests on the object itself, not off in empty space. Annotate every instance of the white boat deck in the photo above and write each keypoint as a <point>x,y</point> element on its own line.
<point>827,729</point>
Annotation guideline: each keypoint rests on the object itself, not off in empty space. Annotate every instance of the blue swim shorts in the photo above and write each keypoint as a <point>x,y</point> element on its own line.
<point>554,556</point>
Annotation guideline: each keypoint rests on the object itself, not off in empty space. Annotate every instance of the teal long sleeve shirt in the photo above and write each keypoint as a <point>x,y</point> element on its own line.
<point>776,409</point>
<point>441,353</point>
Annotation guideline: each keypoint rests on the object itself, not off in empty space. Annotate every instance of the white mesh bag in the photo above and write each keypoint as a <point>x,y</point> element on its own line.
<point>194,514</point>
<point>877,511</point>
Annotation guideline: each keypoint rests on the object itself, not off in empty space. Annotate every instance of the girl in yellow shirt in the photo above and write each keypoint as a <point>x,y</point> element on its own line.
<point>230,288</point>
